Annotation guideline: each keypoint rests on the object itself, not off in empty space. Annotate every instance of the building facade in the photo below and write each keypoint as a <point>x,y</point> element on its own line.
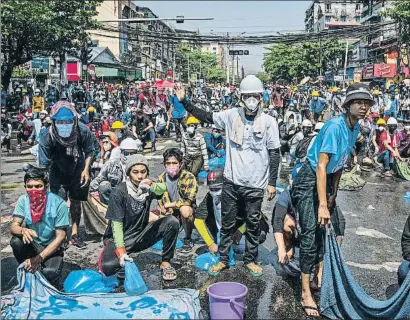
<point>326,14</point>
<point>216,49</point>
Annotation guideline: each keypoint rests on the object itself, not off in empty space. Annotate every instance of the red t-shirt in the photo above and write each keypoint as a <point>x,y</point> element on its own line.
<point>392,140</point>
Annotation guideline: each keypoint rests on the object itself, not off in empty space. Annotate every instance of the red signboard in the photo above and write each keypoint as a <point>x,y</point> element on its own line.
<point>384,70</point>
<point>73,71</point>
<point>367,72</point>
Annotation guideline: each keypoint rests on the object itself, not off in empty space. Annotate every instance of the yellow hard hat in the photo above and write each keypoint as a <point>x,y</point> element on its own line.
<point>335,89</point>
<point>192,120</point>
<point>91,109</point>
<point>381,122</point>
<point>315,94</point>
<point>376,92</point>
<point>117,125</point>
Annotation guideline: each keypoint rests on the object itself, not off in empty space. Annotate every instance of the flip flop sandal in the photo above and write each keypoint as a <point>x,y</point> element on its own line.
<point>253,273</point>
<point>166,272</point>
<point>217,273</point>
<point>304,308</point>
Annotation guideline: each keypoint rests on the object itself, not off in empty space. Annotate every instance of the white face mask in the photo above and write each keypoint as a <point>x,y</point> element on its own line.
<point>107,147</point>
<point>380,128</point>
<point>190,130</point>
<point>64,129</point>
<point>291,121</point>
<point>252,104</point>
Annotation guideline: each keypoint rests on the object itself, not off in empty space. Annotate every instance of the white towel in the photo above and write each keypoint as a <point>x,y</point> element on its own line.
<point>238,128</point>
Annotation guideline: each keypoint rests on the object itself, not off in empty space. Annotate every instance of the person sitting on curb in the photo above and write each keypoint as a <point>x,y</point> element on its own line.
<point>194,148</point>
<point>404,268</point>
<point>388,148</point>
<point>143,129</point>
<point>40,243</point>
<point>215,143</point>
<point>132,227</point>
<point>113,171</point>
<point>180,197</point>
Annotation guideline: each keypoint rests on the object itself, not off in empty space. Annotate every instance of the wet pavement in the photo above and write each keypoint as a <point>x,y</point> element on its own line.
<point>375,217</point>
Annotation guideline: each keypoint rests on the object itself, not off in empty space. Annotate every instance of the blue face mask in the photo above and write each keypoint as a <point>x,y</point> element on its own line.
<point>216,135</point>
<point>64,129</point>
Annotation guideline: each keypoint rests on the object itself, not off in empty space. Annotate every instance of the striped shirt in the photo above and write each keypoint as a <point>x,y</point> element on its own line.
<point>193,147</point>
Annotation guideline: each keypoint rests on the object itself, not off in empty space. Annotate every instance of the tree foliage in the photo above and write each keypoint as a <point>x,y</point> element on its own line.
<point>263,76</point>
<point>48,28</point>
<point>294,62</point>
<point>400,12</point>
<point>199,62</point>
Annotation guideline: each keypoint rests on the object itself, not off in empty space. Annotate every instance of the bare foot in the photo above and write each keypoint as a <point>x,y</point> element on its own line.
<point>309,306</point>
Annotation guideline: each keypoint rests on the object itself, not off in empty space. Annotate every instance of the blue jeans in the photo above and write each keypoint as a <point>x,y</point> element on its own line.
<point>403,271</point>
<point>385,158</point>
<point>149,135</point>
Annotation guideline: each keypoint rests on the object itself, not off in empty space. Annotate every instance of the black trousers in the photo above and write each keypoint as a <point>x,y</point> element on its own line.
<point>6,142</point>
<point>178,123</point>
<point>165,228</point>
<point>51,267</point>
<point>22,136</point>
<point>233,198</point>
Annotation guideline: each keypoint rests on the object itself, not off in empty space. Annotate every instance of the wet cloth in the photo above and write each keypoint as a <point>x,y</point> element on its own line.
<point>35,298</point>
<point>342,297</point>
<point>351,181</point>
<point>402,169</point>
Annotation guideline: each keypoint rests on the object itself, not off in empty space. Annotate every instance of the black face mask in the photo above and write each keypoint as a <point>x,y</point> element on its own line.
<point>392,129</point>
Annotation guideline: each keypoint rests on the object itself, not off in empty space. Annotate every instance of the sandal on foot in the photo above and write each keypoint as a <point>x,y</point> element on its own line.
<point>304,308</point>
<point>253,273</point>
<point>220,266</point>
<point>169,273</point>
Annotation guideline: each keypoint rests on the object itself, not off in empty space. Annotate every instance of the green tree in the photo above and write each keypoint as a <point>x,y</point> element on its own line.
<point>400,12</point>
<point>215,75</point>
<point>263,76</point>
<point>294,62</point>
<point>194,60</point>
<point>43,28</point>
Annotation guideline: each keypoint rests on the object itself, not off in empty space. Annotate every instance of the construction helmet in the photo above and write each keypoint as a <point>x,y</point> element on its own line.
<point>307,123</point>
<point>117,125</point>
<point>91,109</point>
<point>315,94</point>
<point>129,144</point>
<point>392,121</point>
<point>192,120</point>
<point>381,122</point>
<point>376,92</point>
<point>251,84</point>
<point>318,126</point>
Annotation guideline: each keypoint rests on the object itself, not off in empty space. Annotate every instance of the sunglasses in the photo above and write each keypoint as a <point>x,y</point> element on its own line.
<point>127,153</point>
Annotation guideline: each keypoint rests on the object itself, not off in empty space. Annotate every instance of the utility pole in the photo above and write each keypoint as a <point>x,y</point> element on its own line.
<point>344,73</point>
<point>173,68</point>
<point>233,69</point>
<point>188,68</point>
<point>227,59</point>
<point>237,66</point>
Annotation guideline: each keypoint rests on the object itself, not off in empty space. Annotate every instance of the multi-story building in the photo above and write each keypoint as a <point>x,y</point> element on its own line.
<point>216,49</point>
<point>332,14</point>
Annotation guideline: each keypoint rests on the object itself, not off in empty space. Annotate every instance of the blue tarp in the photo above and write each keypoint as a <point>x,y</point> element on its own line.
<point>35,298</point>
<point>342,298</point>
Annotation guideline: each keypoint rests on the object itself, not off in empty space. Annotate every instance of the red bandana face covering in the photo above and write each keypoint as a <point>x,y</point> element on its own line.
<point>38,201</point>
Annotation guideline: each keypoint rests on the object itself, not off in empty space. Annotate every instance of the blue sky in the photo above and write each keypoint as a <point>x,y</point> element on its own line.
<point>235,17</point>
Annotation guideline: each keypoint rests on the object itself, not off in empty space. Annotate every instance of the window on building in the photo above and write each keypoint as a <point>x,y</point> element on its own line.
<point>358,6</point>
<point>327,18</point>
<point>357,18</point>
<point>328,7</point>
<point>343,19</point>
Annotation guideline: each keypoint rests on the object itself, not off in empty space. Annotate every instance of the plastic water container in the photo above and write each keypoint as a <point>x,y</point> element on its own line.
<point>227,300</point>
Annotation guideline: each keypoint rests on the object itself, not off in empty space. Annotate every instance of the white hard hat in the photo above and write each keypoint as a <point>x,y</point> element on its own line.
<point>319,126</point>
<point>44,112</point>
<point>131,102</point>
<point>251,84</point>
<point>307,123</point>
<point>37,91</point>
<point>28,114</point>
<point>129,144</point>
<point>392,121</point>
<point>271,106</point>
<point>407,128</point>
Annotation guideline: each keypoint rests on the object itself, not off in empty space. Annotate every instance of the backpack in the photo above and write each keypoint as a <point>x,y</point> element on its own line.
<point>302,147</point>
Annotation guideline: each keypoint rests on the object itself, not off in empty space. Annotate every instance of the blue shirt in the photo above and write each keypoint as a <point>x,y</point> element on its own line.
<point>55,216</point>
<point>178,112</point>
<point>335,139</point>
<point>266,96</point>
<point>318,105</point>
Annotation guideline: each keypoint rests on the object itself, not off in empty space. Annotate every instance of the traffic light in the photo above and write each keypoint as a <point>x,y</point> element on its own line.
<point>180,19</point>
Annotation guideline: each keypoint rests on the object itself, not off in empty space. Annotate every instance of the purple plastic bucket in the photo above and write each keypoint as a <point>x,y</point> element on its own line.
<point>227,300</point>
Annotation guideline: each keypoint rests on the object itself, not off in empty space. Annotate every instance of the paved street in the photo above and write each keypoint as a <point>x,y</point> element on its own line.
<point>375,218</point>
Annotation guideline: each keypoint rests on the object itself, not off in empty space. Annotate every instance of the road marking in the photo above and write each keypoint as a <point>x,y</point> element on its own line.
<point>372,233</point>
<point>370,207</point>
<point>389,266</point>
